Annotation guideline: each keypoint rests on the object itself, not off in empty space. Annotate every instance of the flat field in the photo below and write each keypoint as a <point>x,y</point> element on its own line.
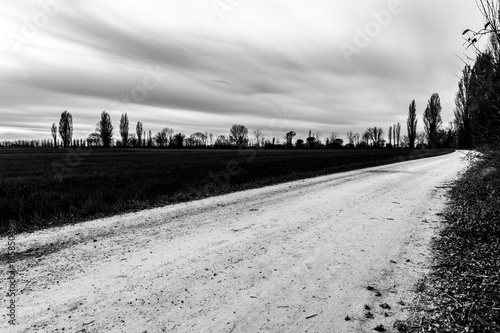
<point>40,188</point>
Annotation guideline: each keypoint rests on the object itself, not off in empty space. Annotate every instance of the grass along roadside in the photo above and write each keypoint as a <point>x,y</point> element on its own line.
<point>462,293</point>
<point>112,181</point>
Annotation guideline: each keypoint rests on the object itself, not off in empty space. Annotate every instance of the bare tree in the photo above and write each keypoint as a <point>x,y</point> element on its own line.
<point>390,135</point>
<point>198,139</point>
<point>406,141</point>
<point>66,128</point>
<point>238,134</point>
<point>366,137</point>
<point>53,131</point>
<point>397,137</point>
<point>170,135</point>
<point>357,139</point>
<point>432,120</point>
<point>351,137</point>
<point>317,135</point>
<point>139,130</point>
<point>375,134</point>
<point>411,124</point>
<point>162,137</point>
<point>105,129</point>
<point>124,128</point>
<point>379,134</point>
<point>490,10</point>
<point>259,137</point>
<point>420,138</point>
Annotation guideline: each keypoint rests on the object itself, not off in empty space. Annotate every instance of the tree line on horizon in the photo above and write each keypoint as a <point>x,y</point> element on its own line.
<point>434,135</point>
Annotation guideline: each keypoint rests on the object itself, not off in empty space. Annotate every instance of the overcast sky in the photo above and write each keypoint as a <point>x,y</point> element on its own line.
<point>203,65</point>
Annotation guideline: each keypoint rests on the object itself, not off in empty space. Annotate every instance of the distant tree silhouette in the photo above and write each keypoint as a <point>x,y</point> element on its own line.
<point>351,138</point>
<point>259,137</point>
<point>289,138</point>
<point>66,128</point>
<point>337,143</point>
<point>149,140</point>
<point>53,131</point>
<point>394,136</point>
<point>311,142</point>
<point>397,135</point>
<point>368,136</point>
<point>139,130</point>
<point>333,136</point>
<point>238,134</point>
<point>406,141</point>
<point>411,124</point>
<point>375,134</point>
<point>94,139</point>
<point>420,139</point>
<point>179,140</point>
<point>357,139</point>
<point>447,136</point>
<point>317,135</point>
<point>221,141</point>
<point>132,140</point>
<point>124,128</point>
<point>105,129</point>
<point>299,143</point>
<point>161,138</point>
<point>390,135</point>
<point>198,139</point>
<point>432,120</point>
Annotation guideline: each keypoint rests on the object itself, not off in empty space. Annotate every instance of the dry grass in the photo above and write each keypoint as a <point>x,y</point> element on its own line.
<point>463,292</point>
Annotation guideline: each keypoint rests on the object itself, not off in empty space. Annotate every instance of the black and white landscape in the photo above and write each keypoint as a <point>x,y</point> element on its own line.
<point>250,166</point>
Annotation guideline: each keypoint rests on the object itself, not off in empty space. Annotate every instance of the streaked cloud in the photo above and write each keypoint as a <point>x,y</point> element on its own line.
<point>263,58</point>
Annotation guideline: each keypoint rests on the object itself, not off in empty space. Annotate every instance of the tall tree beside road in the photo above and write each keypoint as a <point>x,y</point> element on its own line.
<point>432,120</point>
<point>411,124</point>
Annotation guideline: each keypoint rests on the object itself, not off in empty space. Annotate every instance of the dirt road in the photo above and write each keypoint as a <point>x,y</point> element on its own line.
<point>296,257</point>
